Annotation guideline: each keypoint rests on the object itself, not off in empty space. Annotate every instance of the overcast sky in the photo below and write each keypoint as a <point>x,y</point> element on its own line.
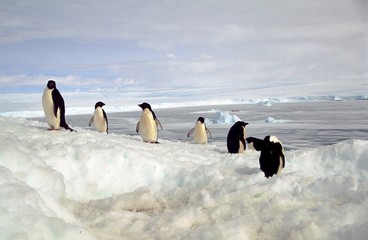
<point>96,45</point>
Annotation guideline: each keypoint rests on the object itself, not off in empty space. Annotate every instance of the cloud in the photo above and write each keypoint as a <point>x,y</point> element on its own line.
<point>171,56</point>
<point>125,44</point>
<point>41,80</point>
<point>165,24</point>
<point>205,56</point>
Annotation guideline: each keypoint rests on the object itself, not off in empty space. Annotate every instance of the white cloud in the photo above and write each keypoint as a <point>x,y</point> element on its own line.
<point>205,56</point>
<point>41,80</point>
<point>122,81</point>
<point>171,56</point>
<point>166,22</point>
<point>212,42</point>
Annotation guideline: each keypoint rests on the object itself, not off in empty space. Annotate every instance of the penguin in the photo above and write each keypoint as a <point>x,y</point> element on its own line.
<point>148,124</point>
<point>100,118</point>
<point>200,132</point>
<point>236,138</point>
<point>54,107</point>
<point>272,158</point>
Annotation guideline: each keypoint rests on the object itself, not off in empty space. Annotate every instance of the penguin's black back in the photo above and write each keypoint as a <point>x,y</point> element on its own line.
<point>236,134</point>
<point>59,104</point>
<point>271,152</point>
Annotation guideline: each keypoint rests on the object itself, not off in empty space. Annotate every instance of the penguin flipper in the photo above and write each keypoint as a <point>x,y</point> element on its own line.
<point>257,143</point>
<point>209,133</point>
<point>91,121</point>
<point>137,127</point>
<point>58,103</point>
<point>190,132</point>
<point>243,142</point>
<point>158,123</point>
<point>107,122</point>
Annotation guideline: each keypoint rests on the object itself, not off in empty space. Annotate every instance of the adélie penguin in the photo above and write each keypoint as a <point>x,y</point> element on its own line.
<point>236,138</point>
<point>54,107</point>
<point>272,158</point>
<point>100,118</point>
<point>200,132</point>
<point>148,124</point>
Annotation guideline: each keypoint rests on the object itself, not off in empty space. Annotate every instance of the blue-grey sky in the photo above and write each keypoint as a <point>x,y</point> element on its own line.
<point>94,45</point>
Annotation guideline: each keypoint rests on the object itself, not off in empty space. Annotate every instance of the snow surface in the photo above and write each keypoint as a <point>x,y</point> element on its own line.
<point>88,185</point>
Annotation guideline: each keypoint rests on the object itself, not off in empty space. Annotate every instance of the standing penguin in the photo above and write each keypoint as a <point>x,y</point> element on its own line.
<point>54,107</point>
<point>200,132</point>
<point>148,124</point>
<point>272,159</point>
<point>236,138</point>
<point>100,118</point>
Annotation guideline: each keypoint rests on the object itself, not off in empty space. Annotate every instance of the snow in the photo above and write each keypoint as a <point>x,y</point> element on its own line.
<point>89,185</point>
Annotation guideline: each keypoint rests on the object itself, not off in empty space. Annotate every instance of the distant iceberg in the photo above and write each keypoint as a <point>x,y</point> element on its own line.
<point>273,120</point>
<point>223,117</point>
<point>120,103</point>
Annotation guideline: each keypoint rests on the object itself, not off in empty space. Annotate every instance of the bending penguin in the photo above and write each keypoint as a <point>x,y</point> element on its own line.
<point>200,132</point>
<point>236,138</point>
<point>54,107</point>
<point>100,118</point>
<point>272,159</point>
<point>148,124</point>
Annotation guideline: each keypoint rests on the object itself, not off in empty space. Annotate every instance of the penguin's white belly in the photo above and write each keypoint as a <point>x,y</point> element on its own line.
<point>241,147</point>
<point>100,122</point>
<point>148,127</point>
<point>48,108</point>
<point>280,166</point>
<point>200,135</point>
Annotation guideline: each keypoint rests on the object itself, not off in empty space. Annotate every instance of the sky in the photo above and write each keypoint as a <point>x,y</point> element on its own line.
<point>114,46</point>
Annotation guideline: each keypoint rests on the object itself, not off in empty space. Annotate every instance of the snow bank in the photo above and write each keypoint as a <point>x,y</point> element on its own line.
<point>86,185</point>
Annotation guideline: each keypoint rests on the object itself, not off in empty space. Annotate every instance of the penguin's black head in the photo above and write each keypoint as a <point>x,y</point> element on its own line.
<point>200,119</point>
<point>241,124</point>
<point>51,84</point>
<point>145,105</point>
<point>99,104</point>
